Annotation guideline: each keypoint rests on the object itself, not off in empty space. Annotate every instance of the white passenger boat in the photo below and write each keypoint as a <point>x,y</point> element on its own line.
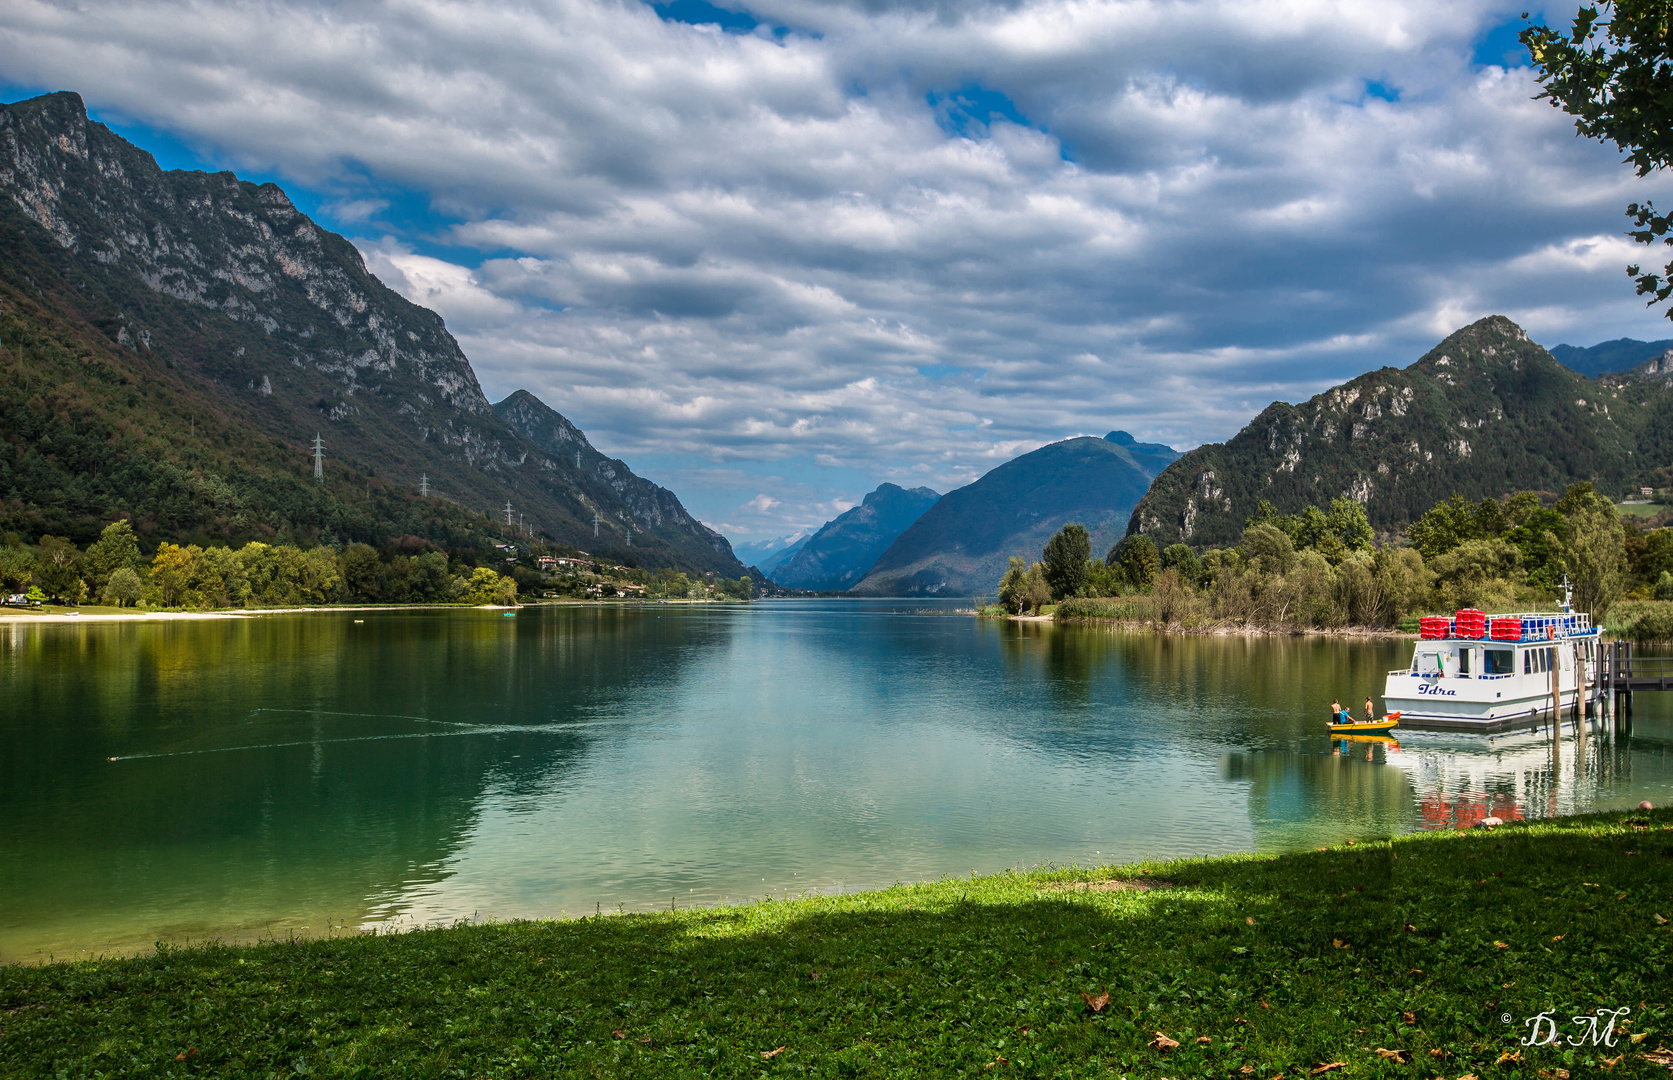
<point>1475,672</point>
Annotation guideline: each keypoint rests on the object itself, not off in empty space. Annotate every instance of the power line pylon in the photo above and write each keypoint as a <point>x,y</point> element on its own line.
<point>319,458</point>
<point>424,484</point>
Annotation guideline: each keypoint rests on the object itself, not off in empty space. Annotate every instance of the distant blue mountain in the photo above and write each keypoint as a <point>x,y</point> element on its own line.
<point>840,553</point>
<point>768,554</point>
<point>1604,358</point>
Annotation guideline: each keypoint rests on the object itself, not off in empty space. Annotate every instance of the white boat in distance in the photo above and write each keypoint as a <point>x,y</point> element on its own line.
<point>1483,673</point>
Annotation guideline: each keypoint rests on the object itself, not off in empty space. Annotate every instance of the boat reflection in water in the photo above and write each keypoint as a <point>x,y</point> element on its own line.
<point>1461,779</point>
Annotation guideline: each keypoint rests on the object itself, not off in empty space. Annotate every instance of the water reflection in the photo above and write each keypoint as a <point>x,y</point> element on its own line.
<point>290,771</point>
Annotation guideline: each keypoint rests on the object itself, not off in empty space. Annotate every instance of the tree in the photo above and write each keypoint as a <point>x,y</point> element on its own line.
<point>1138,558</point>
<point>363,572</point>
<point>1184,562</point>
<point>124,587</point>
<point>116,547</point>
<point>171,573</point>
<point>1269,550</point>
<point>1615,77</point>
<point>58,566</point>
<point>1010,586</point>
<point>1594,549</point>
<point>17,566</point>
<point>1064,560</point>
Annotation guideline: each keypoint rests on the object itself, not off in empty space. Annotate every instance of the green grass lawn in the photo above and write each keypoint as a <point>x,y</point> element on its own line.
<point>1419,957</point>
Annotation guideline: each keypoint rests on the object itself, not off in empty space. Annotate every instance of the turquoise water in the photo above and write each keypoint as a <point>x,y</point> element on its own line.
<point>172,781</point>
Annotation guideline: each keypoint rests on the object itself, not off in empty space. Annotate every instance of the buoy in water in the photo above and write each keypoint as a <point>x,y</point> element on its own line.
<point>1646,805</point>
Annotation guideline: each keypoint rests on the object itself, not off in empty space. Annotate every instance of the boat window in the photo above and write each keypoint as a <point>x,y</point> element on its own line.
<point>1498,662</point>
<point>1528,662</point>
<point>1464,661</point>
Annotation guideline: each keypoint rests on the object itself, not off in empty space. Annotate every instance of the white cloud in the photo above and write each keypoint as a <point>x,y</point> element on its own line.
<point>819,252</point>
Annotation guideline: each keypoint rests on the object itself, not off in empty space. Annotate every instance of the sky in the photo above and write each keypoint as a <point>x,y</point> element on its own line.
<point>774,254</point>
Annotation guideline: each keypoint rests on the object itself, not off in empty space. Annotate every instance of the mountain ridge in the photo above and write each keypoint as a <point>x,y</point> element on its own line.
<point>277,321</point>
<point>962,544</point>
<point>1485,412</point>
<point>839,554</point>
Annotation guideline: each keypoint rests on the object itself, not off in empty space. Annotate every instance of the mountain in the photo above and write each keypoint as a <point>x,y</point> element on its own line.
<point>1608,357</point>
<point>766,555</point>
<point>653,513</point>
<point>251,320</point>
<point>1151,449</point>
<point>844,548</point>
<point>1485,412</point>
<point>962,544</point>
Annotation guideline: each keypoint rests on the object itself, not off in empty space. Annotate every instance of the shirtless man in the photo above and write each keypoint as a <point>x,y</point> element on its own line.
<point>1370,713</point>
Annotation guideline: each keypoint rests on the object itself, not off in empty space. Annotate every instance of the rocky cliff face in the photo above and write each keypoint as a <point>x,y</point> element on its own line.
<point>1486,412</point>
<point>229,282</point>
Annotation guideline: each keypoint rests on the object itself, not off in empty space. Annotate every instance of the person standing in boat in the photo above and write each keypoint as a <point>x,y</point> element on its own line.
<point>1337,714</point>
<point>1370,712</point>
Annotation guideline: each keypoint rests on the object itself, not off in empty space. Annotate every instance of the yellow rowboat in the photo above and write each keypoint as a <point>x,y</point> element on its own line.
<point>1367,727</point>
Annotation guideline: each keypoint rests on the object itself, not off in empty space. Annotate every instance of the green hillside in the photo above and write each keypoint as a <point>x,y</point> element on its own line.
<point>265,329</point>
<point>962,544</point>
<point>1485,412</point>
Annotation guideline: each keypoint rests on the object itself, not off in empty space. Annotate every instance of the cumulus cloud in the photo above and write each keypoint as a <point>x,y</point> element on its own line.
<point>899,241</point>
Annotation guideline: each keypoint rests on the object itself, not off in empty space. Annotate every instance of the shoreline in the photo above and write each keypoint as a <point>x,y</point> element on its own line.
<point>1212,630</point>
<point>60,618</point>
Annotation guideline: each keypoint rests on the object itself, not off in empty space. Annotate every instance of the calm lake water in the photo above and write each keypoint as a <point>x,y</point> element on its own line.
<point>295,773</point>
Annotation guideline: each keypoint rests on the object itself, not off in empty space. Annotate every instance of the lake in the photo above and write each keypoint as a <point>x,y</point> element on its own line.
<point>304,773</point>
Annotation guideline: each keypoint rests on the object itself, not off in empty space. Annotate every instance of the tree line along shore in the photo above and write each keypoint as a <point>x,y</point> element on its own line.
<point>1324,569</point>
<point>1539,948</point>
<point>113,570</point>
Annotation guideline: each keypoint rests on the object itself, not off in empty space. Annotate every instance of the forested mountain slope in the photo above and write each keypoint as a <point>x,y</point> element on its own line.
<point>274,329</point>
<point>1607,357</point>
<point>839,554</point>
<point>962,544</point>
<point>1485,412</point>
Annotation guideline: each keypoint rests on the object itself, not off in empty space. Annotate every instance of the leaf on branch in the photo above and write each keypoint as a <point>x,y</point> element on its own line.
<point>1162,1043</point>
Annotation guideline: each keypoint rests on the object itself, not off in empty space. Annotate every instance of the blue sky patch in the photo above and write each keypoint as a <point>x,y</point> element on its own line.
<point>1498,46</point>
<point>1382,90</point>
<point>971,109</point>
<point>701,13</point>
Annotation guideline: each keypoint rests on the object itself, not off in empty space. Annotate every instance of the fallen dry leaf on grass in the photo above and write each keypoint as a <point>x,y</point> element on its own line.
<point>1559,937</point>
<point>1500,945</point>
<point>1264,1005</point>
<point>1610,1063</point>
<point>188,1053</point>
<point>1661,920</point>
<point>1437,1053</point>
<point>766,1054</point>
<point>619,1033</point>
<point>1338,941</point>
<point>1507,1057</point>
<point>1659,1057</point>
<point>1469,1076</point>
<point>1640,1037</point>
<point>997,1061</point>
<point>1247,1070</point>
<point>1324,1067</point>
<point>1402,1056</point>
<point>1163,1043</point>
<point>1409,1018</point>
<point>1410,929</point>
<point>1553,1074</point>
<point>1096,1004</point>
<point>1240,1020</point>
<point>1250,919</point>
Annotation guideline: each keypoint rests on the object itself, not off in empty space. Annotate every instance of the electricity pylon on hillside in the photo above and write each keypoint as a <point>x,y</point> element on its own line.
<point>424,484</point>
<point>319,458</point>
